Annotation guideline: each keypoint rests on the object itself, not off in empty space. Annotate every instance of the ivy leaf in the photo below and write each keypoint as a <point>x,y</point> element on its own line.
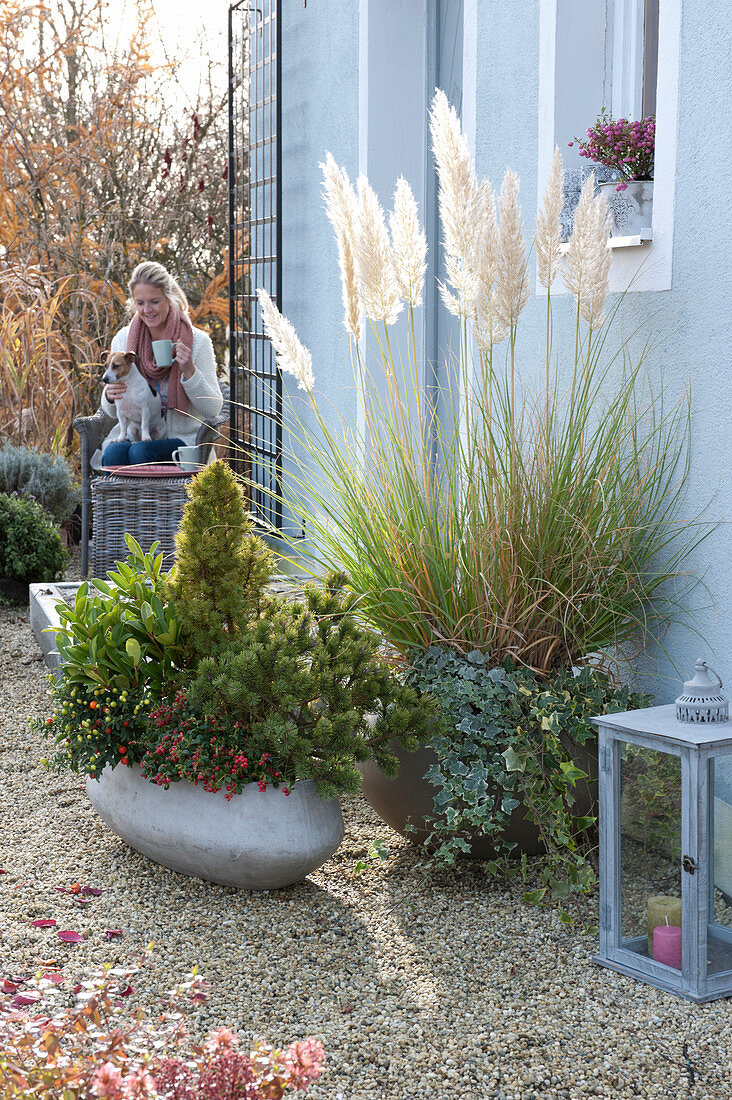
<point>514,762</point>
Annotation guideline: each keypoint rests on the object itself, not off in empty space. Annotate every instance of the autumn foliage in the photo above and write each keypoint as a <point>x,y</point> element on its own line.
<point>105,159</point>
<point>97,1047</point>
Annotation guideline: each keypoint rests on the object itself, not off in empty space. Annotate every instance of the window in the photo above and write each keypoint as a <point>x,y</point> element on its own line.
<point>606,54</point>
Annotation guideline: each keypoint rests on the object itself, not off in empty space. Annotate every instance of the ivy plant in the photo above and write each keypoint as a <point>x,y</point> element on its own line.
<point>506,737</point>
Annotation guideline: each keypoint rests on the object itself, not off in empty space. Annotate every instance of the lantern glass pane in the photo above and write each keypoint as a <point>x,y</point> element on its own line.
<point>719,931</point>
<point>650,852</point>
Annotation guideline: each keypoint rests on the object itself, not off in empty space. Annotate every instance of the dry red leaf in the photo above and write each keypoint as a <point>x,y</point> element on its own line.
<point>69,937</point>
<point>111,933</point>
<point>20,1000</point>
<point>45,922</point>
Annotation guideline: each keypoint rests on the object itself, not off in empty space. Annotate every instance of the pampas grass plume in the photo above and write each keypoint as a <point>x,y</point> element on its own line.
<point>408,245</point>
<point>512,289</point>
<point>374,264</point>
<point>460,205</point>
<point>588,258</point>
<point>291,356</point>
<point>342,210</point>
<point>548,235</point>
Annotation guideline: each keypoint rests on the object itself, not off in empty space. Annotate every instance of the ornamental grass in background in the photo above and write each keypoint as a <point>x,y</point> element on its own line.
<point>536,523</point>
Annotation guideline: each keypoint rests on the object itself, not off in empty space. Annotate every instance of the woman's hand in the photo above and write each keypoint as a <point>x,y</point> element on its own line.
<point>115,390</point>
<point>184,359</point>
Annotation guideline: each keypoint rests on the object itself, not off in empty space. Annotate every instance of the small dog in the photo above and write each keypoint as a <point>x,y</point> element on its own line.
<point>139,408</point>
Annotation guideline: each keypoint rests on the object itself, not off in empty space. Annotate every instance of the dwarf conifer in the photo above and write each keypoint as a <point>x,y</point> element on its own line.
<point>221,568</point>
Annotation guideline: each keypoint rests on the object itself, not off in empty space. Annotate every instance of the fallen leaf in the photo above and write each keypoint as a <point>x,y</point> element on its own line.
<point>92,891</point>
<point>48,964</point>
<point>3,872</point>
<point>55,977</point>
<point>8,987</point>
<point>46,922</point>
<point>18,980</point>
<point>69,937</point>
<point>78,988</point>
<point>345,1009</point>
<point>126,991</point>
<point>21,999</point>
<point>110,933</point>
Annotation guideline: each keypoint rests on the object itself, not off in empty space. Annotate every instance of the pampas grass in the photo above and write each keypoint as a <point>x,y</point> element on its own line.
<point>548,234</point>
<point>291,356</point>
<point>460,207</point>
<point>587,267</point>
<point>408,245</point>
<point>374,267</point>
<point>342,209</point>
<point>512,290</point>
<point>550,535</point>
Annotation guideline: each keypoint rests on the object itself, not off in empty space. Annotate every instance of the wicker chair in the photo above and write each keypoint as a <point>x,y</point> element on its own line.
<point>149,508</point>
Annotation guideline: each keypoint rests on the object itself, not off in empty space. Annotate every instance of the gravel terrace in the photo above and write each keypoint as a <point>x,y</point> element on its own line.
<point>420,989</point>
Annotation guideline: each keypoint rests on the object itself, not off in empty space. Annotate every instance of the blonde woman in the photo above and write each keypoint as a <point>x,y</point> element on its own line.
<point>188,389</point>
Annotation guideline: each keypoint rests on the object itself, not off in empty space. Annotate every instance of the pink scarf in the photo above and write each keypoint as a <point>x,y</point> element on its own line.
<point>177,328</point>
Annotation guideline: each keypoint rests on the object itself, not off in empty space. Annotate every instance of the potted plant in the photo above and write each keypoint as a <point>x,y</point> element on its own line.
<point>217,724</point>
<point>30,546</point>
<point>511,551</point>
<point>628,148</point>
<point>47,478</point>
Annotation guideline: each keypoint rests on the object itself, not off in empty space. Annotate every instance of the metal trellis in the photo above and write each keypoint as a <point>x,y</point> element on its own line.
<point>255,249</point>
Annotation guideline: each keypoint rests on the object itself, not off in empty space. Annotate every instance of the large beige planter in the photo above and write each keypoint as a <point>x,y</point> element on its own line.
<point>259,840</point>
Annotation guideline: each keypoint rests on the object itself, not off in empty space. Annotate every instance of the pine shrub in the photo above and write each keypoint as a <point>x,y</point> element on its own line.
<point>306,684</point>
<point>222,567</point>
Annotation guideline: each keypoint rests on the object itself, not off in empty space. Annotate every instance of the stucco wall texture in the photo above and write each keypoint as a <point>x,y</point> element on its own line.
<point>320,89</point>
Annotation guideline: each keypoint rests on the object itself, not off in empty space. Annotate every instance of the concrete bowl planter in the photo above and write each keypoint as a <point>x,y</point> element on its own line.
<point>259,840</point>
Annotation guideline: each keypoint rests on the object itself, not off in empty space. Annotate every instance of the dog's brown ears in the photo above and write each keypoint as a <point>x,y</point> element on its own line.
<point>131,357</point>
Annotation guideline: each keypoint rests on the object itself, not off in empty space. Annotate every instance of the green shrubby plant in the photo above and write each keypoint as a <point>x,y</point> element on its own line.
<point>30,544</point>
<point>202,676</point>
<point>119,632</point>
<point>45,477</point>
<point>119,648</point>
<point>306,684</point>
<point>508,737</point>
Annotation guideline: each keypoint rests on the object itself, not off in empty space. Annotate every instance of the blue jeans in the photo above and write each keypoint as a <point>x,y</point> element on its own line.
<point>125,453</point>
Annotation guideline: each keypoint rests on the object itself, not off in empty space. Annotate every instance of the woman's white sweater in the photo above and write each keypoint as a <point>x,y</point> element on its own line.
<point>202,389</point>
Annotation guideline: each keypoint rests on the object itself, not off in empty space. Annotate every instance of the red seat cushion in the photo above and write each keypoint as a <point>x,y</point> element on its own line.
<point>150,469</point>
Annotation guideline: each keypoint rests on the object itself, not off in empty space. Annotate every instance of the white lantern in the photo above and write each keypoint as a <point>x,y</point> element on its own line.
<point>666,842</point>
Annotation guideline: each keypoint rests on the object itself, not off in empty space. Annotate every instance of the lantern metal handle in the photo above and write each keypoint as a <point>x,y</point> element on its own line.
<point>714,673</point>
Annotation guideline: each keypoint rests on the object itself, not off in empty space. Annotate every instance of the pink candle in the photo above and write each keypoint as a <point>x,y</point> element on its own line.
<point>667,945</point>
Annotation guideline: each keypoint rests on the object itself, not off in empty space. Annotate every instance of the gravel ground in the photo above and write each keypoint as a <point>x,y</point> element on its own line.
<point>420,989</point>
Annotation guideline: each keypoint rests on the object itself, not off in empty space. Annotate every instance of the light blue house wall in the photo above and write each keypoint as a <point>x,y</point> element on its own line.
<point>357,78</point>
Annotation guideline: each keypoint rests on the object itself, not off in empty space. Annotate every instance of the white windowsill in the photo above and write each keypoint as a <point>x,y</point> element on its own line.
<point>644,237</point>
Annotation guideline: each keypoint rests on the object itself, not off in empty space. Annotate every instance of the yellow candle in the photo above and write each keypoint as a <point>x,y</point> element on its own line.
<point>662,909</point>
